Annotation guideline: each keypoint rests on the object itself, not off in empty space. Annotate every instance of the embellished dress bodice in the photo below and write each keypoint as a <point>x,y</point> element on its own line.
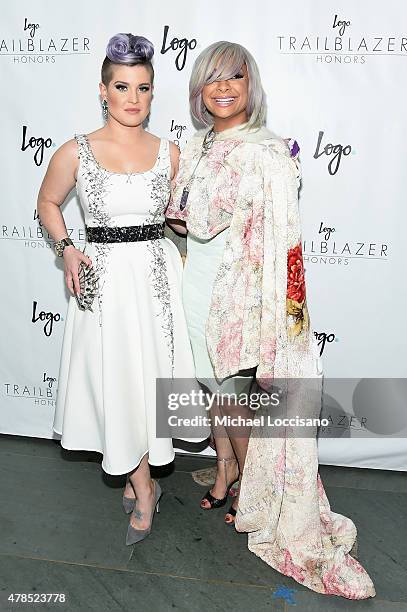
<point>118,199</point>
<point>114,199</point>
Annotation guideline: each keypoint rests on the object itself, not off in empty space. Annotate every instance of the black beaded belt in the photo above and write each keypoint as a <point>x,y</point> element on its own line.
<point>133,233</point>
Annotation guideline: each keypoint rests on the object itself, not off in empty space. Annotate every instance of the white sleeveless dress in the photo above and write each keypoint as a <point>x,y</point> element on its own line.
<point>137,331</point>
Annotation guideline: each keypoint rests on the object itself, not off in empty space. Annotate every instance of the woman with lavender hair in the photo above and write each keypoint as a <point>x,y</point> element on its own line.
<point>236,193</point>
<point>128,327</point>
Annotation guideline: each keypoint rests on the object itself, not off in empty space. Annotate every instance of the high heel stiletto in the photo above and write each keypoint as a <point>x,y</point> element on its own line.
<point>128,502</point>
<point>232,511</point>
<point>215,502</point>
<point>137,535</point>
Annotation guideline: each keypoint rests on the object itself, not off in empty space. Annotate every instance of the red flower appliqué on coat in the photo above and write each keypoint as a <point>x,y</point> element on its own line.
<point>295,275</point>
<point>296,304</point>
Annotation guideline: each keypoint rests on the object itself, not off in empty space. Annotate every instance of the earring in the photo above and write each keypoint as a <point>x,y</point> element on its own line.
<point>105,110</point>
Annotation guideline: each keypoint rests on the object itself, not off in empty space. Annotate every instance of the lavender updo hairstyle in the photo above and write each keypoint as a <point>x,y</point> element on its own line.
<point>129,50</point>
<point>221,61</point>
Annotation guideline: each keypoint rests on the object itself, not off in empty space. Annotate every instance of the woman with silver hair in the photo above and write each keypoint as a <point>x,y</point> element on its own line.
<point>127,283</point>
<point>236,193</point>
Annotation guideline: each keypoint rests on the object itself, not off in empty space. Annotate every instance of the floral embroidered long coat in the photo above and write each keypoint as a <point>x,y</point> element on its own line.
<point>258,317</point>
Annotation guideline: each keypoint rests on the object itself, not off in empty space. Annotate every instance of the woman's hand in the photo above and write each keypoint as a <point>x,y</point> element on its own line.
<point>72,259</point>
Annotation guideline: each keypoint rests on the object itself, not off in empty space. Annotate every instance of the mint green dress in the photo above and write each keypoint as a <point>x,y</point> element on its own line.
<point>201,266</point>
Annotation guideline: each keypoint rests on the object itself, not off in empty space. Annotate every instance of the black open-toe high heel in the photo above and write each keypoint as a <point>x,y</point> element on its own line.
<point>232,511</point>
<point>215,502</point>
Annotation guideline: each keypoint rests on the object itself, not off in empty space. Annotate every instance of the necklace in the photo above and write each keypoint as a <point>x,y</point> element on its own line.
<point>206,147</point>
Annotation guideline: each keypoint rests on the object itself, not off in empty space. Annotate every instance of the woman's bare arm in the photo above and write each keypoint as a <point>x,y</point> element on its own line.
<point>58,182</point>
<point>178,226</point>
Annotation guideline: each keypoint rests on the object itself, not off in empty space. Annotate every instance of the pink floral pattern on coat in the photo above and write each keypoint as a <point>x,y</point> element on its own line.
<point>290,569</point>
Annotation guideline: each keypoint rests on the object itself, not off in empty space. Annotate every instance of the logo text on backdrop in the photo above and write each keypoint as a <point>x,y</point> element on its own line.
<point>182,45</point>
<point>32,27</point>
<point>338,45</point>
<point>48,318</point>
<point>342,25</point>
<point>325,250</point>
<point>178,129</point>
<point>38,48</point>
<point>334,152</point>
<point>38,144</point>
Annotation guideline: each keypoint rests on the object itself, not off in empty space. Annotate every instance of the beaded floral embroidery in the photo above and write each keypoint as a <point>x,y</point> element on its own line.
<point>160,191</point>
<point>159,275</point>
<point>96,179</point>
<point>159,184</point>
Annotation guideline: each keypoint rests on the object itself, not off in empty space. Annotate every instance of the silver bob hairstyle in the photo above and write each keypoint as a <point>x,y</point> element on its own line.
<point>222,61</point>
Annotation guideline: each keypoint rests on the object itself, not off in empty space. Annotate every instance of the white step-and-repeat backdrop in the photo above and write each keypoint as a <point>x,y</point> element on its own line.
<point>335,77</point>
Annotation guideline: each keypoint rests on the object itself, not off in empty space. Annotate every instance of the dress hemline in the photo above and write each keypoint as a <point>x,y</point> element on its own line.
<point>115,473</point>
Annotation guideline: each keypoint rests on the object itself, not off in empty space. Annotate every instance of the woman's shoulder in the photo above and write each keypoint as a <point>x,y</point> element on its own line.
<point>96,135</point>
<point>168,150</point>
<point>161,141</point>
<point>65,159</point>
<point>278,145</point>
<point>166,145</point>
<point>70,146</point>
<point>153,139</point>
<point>67,152</point>
<point>262,144</point>
<point>275,153</point>
<point>282,154</point>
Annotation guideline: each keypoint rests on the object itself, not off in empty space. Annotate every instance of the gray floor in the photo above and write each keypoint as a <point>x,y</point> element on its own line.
<point>63,530</point>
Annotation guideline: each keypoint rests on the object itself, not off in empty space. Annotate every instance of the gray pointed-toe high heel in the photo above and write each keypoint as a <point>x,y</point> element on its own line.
<point>136,535</point>
<point>128,502</point>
